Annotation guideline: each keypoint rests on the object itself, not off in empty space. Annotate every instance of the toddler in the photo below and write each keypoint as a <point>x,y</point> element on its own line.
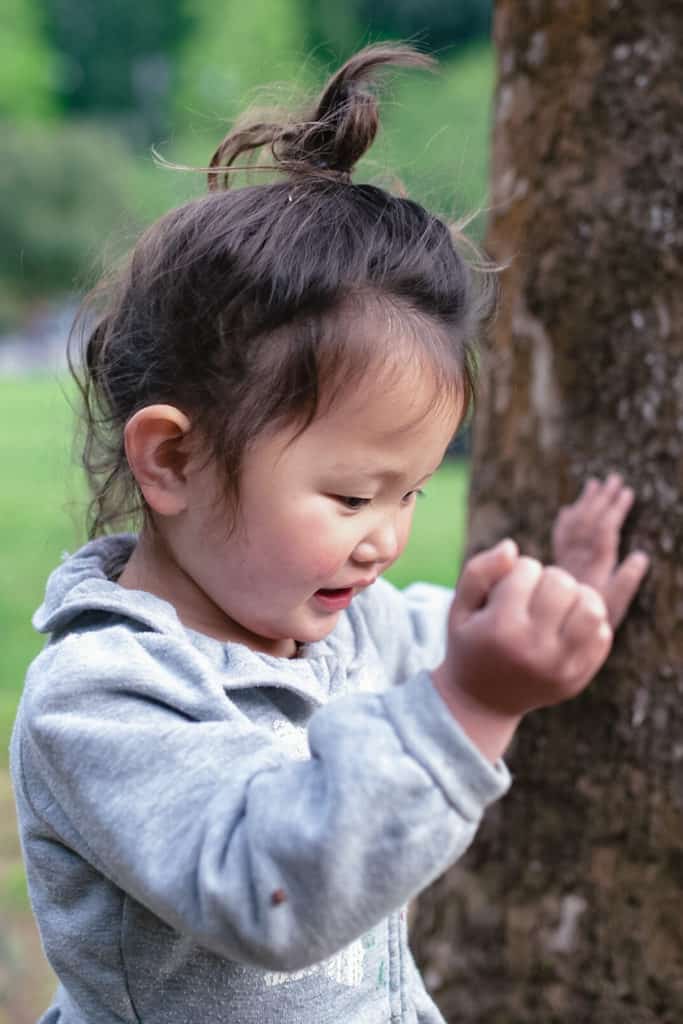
<point>242,752</point>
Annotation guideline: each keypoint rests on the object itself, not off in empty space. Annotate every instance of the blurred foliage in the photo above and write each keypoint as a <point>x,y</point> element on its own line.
<point>86,86</point>
<point>63,187</point>
<point>122,59</point>
<point>29,68</point>
<point>118,58</point>
<point>233,49</point>
<point>439,26</point>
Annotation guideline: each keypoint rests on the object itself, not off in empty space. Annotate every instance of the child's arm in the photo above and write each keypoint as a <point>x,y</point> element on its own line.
<point>585,540</point>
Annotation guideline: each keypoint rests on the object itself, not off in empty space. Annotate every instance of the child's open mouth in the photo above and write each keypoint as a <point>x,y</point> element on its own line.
<point>334,600</point>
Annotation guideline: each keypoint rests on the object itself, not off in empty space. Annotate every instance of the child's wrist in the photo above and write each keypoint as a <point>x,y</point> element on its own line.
<point>490,729</point>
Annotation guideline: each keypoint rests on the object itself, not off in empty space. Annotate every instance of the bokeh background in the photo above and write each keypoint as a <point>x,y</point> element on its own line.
<point>88,91</point>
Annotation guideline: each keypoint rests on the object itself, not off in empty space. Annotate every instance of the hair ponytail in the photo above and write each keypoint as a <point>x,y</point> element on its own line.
<point>329,139</point>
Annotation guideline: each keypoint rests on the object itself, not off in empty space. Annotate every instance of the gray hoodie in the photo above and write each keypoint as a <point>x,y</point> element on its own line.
<point>218,836</point>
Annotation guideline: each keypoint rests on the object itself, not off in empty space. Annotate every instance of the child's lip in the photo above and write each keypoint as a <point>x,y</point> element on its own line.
<point>335,599</point>
<point>361,584</point>
<point>350,588</point>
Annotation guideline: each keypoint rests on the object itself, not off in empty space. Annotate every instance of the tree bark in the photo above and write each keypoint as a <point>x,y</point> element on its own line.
<point>569,907</point>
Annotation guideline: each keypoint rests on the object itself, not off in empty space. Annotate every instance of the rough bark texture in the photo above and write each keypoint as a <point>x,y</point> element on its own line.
<point>569,907</point>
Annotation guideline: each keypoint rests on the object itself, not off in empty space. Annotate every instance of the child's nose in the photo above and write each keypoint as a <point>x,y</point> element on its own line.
<point>381,545</point>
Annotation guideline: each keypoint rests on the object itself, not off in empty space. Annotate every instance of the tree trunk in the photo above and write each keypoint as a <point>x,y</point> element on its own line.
<point>569,907</point>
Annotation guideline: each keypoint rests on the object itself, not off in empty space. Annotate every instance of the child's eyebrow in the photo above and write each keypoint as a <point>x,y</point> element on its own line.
<point>384,475</point>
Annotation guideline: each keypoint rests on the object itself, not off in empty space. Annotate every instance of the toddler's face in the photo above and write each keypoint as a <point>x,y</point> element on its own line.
<point>321,515</point>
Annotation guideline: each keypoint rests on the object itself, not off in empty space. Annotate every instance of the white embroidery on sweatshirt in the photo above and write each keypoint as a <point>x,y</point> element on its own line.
<point>294,738</point>
<point>346,968</point>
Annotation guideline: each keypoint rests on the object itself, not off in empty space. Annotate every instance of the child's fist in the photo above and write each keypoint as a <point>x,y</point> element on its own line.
<point>585,541</point>
<point>521,636</point>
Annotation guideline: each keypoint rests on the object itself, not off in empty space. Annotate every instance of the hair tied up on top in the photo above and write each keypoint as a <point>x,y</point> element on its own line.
<point>326,140</point>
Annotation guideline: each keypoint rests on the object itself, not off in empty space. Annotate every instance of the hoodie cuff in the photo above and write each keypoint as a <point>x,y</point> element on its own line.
<point>431,735</point>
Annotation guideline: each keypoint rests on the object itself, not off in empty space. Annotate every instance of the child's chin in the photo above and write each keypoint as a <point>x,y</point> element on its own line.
<point>319,630</point>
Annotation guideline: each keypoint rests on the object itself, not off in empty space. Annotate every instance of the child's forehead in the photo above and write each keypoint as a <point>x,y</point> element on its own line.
<point>390,399</point>
<point>375,431</point>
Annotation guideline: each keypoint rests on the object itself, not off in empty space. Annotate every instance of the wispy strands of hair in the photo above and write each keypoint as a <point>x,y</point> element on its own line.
<point>328,138</point>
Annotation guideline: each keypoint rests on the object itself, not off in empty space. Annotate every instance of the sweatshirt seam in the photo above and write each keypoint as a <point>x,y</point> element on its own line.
<point>124,965</point>
<point>26,793</point>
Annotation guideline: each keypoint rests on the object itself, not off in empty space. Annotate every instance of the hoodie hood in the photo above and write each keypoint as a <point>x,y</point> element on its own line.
<point>82,584</point>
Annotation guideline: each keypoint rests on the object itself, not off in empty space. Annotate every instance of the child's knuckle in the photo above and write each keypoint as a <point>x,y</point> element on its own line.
<point>474,571</point>
<point>593,607</point>
<point>567,678</point>
<point>559,578</point>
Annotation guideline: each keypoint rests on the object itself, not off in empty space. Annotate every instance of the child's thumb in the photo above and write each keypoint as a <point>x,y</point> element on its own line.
<point>479,576</point>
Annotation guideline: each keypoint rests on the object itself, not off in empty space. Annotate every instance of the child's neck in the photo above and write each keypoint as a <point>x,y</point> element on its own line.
<point>152,568</point>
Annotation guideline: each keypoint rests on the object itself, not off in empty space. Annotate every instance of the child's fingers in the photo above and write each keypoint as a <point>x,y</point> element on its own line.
<point>605,526</point>
<point>552,598</point>
<point>577,519</point>
<point>581,509</point>
<point>612,485</point>
<point>511,598</point>
<point>591,490</point>
<point>587,611</point>
<point>591,486</point>
<point>623,584</point>
<point>620,506</point>
<point>600,498</point>
<point>480,574</point>
<point>586,634</point>
<point>594,521</point>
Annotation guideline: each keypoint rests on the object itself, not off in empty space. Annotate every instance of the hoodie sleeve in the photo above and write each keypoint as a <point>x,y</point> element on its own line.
<point>199,816</point>
<point>408,627</point>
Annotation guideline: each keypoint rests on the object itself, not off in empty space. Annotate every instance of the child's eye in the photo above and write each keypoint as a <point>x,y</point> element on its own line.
<point>350,502</point>
<point>411,495</point>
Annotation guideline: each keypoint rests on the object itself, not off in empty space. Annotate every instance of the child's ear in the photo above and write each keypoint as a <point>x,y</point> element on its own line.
<point>156,441</point>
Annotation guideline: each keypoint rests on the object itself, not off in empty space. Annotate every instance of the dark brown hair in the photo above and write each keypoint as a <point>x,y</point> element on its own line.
<point>238,307</point>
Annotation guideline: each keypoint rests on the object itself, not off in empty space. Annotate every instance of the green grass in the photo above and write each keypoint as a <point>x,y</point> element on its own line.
<point>35,521</point>
<point>41,505</point>
<point>13,891</point>
<point>435,548</point>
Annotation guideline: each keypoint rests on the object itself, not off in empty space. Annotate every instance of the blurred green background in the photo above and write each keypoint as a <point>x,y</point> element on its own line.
<point>87,90</point>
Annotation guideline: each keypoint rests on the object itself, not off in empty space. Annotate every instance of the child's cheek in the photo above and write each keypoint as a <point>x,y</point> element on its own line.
<point>325,560</point>
<point>324,546</point>
<point>404,534</point>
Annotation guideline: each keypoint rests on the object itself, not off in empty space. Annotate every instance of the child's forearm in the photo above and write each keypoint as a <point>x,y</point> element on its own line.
<point>491,731</point>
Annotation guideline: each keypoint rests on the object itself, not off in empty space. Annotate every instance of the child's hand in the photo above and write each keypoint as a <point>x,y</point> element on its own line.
<point>521,636</point>
<point>585,541</point>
